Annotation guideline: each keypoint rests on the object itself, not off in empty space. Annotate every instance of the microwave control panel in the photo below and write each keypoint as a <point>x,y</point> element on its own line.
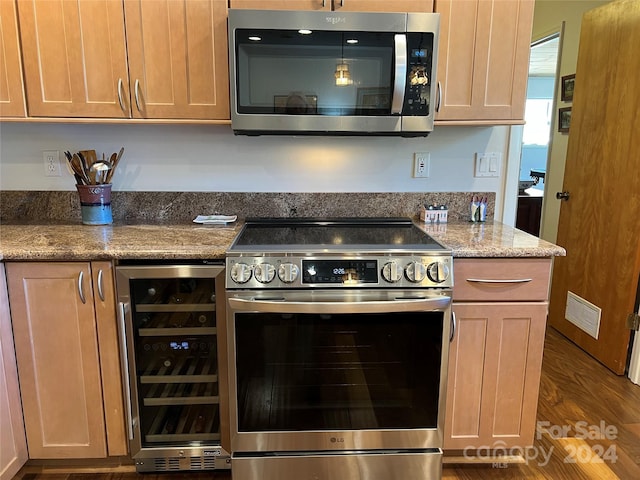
<point>420,59</point>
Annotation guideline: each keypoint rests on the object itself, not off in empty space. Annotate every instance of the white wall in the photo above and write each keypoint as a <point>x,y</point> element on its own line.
<point>211,158</point>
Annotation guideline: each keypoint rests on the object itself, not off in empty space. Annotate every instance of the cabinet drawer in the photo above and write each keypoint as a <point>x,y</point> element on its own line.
<point>508,279</point>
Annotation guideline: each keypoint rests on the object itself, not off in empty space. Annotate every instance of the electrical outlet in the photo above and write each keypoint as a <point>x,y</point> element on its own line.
<point>51,163</point>
<point>421,164</point>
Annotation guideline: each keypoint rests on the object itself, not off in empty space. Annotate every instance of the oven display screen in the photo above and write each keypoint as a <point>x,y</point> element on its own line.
<point>347,272</point>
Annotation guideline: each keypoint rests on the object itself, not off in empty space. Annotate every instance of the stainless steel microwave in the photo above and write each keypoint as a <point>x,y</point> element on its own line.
<point>330,73</point>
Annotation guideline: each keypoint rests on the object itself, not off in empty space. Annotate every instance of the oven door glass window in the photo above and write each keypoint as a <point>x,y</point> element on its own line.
<point>338,372</point>
<point>314,73</point>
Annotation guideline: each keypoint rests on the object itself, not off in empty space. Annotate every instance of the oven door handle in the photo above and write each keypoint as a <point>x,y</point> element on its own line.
<point>399,304</point>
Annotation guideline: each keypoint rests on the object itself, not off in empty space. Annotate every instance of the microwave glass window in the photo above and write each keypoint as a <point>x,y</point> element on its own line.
<point>314,72</point>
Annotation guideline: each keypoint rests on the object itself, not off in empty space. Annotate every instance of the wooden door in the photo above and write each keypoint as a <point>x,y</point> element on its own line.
<point>13,444</point>
<point>11,89</point>
<point>495,361</point>
<point>74,58</point>
<point>178,64</point>
<point>281,4</point>
<point>483,59</point>
<point>383,5</point>
<point>599,224</point>
<point>57,353</point>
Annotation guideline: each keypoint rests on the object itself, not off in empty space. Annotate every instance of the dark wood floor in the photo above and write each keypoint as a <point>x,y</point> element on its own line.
<point>585,413</point>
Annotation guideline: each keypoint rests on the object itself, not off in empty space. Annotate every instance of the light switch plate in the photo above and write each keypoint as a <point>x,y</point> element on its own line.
<point>487,164</point>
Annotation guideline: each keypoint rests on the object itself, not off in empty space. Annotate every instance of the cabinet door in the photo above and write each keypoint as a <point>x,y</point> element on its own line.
<point>483,59</point>
<point>282,4</point>
<point>177,54</point>
<point>13,444</point>
<point>383,5</point>
<point>11,90</point>
<point>55,336</point>
<point>102,276</point>
<point>494,375</point>
<point>74,58</point>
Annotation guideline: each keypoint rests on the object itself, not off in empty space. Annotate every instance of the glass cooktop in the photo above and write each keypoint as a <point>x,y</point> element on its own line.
<point>332,234</point>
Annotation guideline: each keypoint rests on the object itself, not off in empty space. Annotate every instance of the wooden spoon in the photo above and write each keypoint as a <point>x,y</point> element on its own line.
<point>78,167</point>
<point>114,164</point>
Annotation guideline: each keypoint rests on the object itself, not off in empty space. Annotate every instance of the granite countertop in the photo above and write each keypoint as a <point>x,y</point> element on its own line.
<point>492,239</point>
<point>69,242</point>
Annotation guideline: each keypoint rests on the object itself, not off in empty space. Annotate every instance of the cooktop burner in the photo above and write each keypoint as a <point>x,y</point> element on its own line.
<point>334,234</point>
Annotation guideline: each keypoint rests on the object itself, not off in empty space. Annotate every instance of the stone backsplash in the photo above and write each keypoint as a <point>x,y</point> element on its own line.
<point>183,207</point>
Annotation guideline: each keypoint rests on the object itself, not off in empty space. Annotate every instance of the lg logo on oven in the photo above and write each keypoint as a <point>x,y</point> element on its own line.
<point>336,440</point>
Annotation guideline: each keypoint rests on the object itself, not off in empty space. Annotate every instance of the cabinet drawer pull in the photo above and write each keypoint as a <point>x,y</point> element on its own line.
<point>100,288</point>
<point>438,96</point>
<point>81,288</point>
<point>494,281</point>
<point>136,92</point>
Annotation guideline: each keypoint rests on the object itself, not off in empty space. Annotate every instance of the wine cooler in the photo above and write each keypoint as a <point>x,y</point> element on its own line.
<point>173,360</point>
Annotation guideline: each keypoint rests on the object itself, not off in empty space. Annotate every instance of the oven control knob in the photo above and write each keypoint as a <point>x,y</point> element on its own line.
<point>415,272</point>
<point>391,272</point>
<point>288,272</point>
<point>240,273</point>
<point>438,272</point>
<point>264,272</point>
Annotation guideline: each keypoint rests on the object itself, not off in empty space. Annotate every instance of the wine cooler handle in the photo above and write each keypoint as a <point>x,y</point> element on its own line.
<point>125,369</point>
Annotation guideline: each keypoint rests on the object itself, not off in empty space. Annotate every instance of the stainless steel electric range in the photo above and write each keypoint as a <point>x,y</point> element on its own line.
<point>338,333</point>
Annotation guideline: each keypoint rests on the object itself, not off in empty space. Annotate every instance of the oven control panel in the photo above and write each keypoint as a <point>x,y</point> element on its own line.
<point>387,271</point>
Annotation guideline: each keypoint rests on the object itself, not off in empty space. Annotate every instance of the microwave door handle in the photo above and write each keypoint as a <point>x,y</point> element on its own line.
<point>400,79</point>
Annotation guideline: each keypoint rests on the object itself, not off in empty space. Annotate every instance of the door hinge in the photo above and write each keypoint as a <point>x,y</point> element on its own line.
<point>633,321</point>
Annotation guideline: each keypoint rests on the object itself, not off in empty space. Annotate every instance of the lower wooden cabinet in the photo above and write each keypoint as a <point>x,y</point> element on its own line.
<point>494,375</point>
<point>64,327</point>
<point>495,359</point>
<point>13,445</point>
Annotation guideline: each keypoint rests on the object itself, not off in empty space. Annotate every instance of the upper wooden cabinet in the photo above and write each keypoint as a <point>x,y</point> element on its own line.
<point>178,64</point>
<point>483,59</point>
<point>338,5</point>
<point>75,58</point>
<point>71,389</point>
<point>140,58</point>
<point>11,90</point>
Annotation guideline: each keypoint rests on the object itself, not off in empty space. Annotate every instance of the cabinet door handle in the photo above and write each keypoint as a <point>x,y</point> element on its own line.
<point>494,281</point>
<point>453,327</point>
<point>438,96</point>
<point>100,287</point>
<point>80,287</point>
<point>136,92</point>
<point>120,99</point>
<point>125,369</point>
